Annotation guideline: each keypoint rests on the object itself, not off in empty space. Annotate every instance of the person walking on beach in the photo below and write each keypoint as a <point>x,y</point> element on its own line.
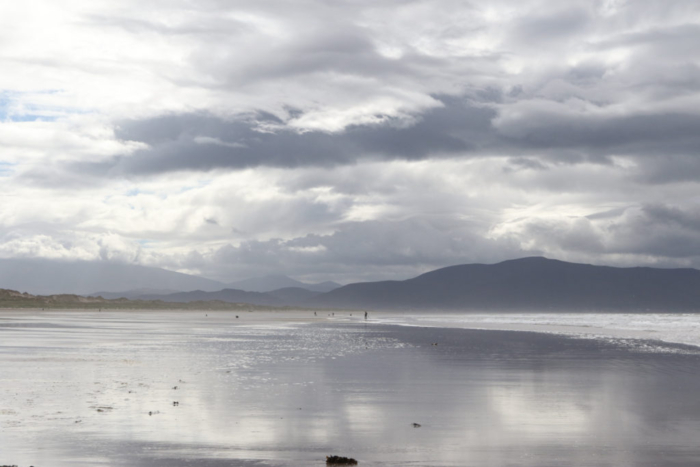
<point>365,315</point>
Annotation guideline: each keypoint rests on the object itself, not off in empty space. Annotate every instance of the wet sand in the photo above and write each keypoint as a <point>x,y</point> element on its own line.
<point>288,388</point>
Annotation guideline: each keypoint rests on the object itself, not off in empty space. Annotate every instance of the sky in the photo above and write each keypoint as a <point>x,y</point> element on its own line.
<point>349,140</point>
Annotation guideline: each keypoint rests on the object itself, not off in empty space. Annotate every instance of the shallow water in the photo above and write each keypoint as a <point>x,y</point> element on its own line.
<point>77,388</point>
<point>680,328</point>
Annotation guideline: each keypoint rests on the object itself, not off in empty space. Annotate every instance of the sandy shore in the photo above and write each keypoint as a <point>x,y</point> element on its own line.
<point>183,317</point>
<point>287,388</point>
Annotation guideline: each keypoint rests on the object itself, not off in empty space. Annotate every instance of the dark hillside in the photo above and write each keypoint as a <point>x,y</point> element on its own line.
<point>529,284</point>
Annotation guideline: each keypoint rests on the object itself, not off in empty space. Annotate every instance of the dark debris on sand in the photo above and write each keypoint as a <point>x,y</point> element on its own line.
<point>337,460</point>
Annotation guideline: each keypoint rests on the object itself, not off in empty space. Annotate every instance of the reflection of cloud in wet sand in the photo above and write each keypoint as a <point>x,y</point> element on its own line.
<point>291,394</point>
<point>522,410</point>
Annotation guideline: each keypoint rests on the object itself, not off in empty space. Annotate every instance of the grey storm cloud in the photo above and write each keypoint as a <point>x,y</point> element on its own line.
<point>659,134</point>
<point>542,28</point>
<point>671,168</point>
<point>459,128</point>
<point>204,142</point>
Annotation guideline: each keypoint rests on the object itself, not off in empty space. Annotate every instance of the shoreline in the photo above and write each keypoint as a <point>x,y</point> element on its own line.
<point>288,389</point>
<point>667,328</point>
<point>562,324</point>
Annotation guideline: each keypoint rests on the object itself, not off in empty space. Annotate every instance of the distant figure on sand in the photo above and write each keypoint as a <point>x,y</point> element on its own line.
<point>365,315</point>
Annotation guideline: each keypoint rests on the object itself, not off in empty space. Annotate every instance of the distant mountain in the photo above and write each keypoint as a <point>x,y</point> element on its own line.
<point>293,295</point>
<point>132,294</point>
<point>225,295</point>
<point>276,282</point>
<point>41,276</point>
<point>528,284</point>
<point>322,287</point>
<point>265,284</point>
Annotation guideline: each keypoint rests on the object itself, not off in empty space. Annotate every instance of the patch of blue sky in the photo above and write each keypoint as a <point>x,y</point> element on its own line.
<point>16,106</point>
<point>200,184</point>
<point>6,169</point>
<point>137,191</point>
<point>4,105</point>
<point>32,118</point>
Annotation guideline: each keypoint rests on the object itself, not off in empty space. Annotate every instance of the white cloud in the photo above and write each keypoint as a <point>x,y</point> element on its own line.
<point>559,111</point>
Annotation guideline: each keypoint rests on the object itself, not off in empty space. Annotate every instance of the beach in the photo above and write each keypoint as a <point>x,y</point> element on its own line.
<point>287,388</point>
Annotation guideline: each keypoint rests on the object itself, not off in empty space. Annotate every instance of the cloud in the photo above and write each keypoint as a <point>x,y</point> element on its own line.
<point>576,125</point>
<point>349,139</point>
<point>368,250</point>
<point>649,234</point>
<point>204,142</point>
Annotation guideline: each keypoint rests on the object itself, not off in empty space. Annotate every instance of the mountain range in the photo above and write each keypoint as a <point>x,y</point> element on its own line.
<point>276,282</point>
<point>47,277</point>
<point>116,280</point>
<point>526,284</point>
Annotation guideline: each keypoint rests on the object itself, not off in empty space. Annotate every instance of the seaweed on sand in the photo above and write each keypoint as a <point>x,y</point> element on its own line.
<point>337,460</point>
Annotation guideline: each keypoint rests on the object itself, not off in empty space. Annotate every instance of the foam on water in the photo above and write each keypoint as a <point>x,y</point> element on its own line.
<point>666,327</point>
